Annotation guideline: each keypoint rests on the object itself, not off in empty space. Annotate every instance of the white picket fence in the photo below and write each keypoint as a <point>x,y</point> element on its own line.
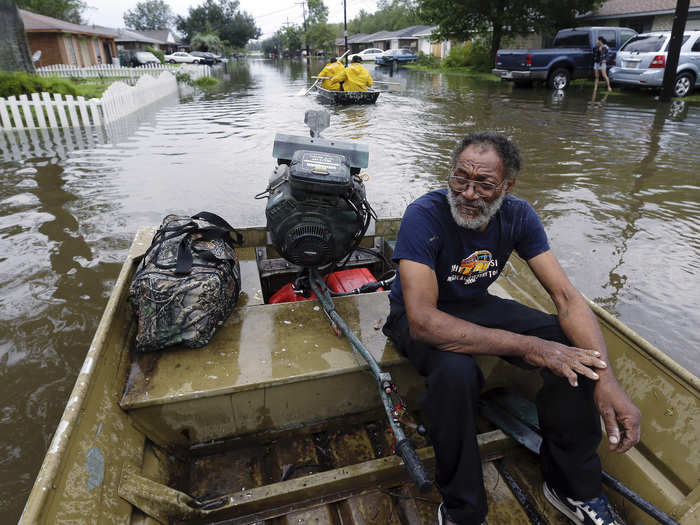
<point>195,71</point>
<point>118,100</point>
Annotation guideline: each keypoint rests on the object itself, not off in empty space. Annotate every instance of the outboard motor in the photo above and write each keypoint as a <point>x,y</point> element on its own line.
<point>317,211</point>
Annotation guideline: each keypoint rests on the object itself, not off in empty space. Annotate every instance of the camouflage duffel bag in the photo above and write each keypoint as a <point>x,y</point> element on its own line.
<point>187,283</point>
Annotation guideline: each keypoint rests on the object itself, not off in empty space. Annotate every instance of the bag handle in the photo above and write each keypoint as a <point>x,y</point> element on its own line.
<point>220,230</point>
<point>218,221</point>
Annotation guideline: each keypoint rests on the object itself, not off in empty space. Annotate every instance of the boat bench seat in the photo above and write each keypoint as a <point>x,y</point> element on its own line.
<point>269,366</point>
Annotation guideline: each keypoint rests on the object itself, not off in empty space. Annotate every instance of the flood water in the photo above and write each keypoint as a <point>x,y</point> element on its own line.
<point>614,179</point>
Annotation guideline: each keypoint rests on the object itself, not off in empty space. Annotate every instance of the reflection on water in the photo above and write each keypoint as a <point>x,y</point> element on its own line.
<point>613,178</point>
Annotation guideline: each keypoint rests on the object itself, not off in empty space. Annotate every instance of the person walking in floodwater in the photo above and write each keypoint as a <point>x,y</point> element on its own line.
<point>601,51</point>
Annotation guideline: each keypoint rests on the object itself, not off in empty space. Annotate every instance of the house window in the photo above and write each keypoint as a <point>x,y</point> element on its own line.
<point>98,51</point>
<point>85,51</point>
<point>71,50</point>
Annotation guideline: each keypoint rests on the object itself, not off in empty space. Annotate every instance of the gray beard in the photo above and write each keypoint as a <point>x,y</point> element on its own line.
<point>487,210</point>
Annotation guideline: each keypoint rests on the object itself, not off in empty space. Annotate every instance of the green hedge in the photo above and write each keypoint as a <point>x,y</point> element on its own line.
<point>206,83</point>
<point>25,83</point>
<point>158,53</point>
<point>427,60</point>
<point>475,54</point>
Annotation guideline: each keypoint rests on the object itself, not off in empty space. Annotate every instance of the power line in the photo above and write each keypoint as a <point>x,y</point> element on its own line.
<point>275,12</point>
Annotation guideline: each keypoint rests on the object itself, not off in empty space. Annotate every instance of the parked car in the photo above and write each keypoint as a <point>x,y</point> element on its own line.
<point>369,54</point>
<point>181,57</point>
<point>137,58</point>
<point>220,58</point>
<point>399,56</point>
<point>204,57</point>
<point>571,56</point>
<point>642,61</point>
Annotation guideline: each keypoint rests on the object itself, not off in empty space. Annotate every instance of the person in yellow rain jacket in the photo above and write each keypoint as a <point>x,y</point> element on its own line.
<point>354,77</point>
<point>333,68</point>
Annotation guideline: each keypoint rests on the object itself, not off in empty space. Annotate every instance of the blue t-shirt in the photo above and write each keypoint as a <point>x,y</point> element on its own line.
<point>465,261</point>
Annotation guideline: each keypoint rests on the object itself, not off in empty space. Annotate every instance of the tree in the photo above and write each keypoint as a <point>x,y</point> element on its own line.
<point>320,36</point>
<point>68,10</point>
<point>206,42</point>
<point>272,44</point>
<point>14,49</point>
<point>318,12</point>
<point>291,39</point>
<point>561,14</point>
<point>150,14</point>
<point>222,17</point>
<point>390,16</point>
<point>500,18</point>
<point>464,18</point>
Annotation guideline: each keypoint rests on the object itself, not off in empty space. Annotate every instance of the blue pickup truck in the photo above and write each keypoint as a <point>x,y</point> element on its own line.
<point>571,56</point>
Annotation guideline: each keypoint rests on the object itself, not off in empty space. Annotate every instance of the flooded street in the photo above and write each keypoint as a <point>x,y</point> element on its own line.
<point>614,179</point>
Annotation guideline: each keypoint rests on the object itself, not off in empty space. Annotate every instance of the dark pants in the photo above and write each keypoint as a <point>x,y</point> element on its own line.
<point>568,417</point>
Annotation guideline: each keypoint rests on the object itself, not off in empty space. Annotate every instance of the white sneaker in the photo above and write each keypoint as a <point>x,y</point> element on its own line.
<point>443,518</point>
<point>594,511</point>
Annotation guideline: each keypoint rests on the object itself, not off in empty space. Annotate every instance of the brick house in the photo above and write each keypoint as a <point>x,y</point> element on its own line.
<point>61,42</point>
<point>641,15</point>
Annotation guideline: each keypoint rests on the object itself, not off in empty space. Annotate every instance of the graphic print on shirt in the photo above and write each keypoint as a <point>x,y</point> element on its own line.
<point>478,265</point>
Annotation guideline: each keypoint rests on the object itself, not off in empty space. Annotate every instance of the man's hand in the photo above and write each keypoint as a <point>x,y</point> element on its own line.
<point>621,418</point>
<point>564,361</point>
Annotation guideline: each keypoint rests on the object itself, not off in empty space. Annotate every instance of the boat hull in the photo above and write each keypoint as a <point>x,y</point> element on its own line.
<point>279,418</point>
<point>344,98</point>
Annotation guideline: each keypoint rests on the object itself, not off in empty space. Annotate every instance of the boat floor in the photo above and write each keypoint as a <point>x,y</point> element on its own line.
<point>254,470</point>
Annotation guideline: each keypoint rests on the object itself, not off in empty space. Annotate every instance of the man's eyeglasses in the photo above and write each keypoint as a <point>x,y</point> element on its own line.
<point>481,188</point>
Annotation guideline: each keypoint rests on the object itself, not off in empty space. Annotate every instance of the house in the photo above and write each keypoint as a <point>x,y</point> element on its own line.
<point>641,15</point>
<point>61,42</point>
<point>383,40</point>
<point>354,43</point>
<point>131,41</point>
<point>437,48</point>
<point>168,41</point>
<point>405,37</point>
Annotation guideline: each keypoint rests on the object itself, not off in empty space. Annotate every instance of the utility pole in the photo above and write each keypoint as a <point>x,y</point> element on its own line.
<point>306,38</point>
<point>345,32</point>
<point>674,49</point>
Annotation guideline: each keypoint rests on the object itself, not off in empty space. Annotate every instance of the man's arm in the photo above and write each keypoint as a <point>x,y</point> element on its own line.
<point>427,323</point>
<point>340,77</point>
<point>581,327</point>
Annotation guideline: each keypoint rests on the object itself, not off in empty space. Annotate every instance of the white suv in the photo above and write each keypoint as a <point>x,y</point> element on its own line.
<point>642,60</point>
<point>367,54</point>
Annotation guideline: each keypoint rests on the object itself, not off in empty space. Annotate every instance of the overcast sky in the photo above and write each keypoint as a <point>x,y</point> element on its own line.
<point>269,15</point>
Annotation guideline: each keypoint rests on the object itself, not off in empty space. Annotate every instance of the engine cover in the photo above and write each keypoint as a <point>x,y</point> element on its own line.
<point>315,210</point>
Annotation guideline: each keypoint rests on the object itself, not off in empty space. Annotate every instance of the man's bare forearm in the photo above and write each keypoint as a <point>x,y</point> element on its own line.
<point>453,334</point>
<point>580,325</point>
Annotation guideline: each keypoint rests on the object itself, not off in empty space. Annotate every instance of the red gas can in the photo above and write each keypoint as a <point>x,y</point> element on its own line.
<point>342,281</point>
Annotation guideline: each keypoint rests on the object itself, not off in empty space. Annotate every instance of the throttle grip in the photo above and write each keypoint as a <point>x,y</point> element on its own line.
<point>415,467</point>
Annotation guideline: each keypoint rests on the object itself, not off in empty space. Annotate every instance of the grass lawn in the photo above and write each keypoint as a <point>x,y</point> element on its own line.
<point>458,71</point>
<point>579,82</point>
<point>93,88</point>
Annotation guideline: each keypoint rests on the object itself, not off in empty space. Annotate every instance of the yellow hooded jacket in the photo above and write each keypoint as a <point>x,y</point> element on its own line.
<point>354,77</point>
<point>331,70</point>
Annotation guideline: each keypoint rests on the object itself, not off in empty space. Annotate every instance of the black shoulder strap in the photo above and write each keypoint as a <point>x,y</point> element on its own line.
<point>218,221</point>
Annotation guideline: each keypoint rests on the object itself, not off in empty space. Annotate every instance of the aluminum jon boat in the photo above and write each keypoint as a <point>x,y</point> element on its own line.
<point>343,98</point>
<point>277,421</point>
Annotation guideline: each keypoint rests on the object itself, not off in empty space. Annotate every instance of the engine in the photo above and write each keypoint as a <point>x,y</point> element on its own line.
<point>316,210</point>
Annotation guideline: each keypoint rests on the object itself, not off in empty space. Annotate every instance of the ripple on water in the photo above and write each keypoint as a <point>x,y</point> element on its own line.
<point>614,181</point>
